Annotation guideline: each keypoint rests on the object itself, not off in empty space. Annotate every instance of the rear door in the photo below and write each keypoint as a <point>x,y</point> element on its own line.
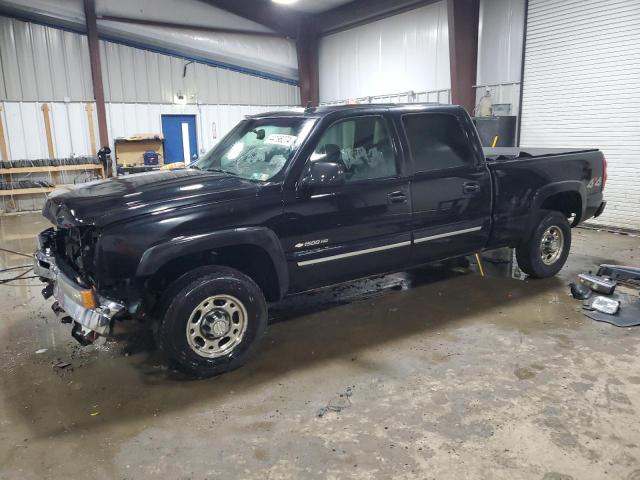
<point>361,227</point>
<point>450,186</point>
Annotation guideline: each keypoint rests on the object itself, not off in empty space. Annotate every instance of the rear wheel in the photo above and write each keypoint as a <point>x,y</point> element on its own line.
<point>546,251</point>
<point>214,321</point>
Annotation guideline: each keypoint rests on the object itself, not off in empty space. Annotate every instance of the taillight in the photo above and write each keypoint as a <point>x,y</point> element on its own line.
<point>604,172</point>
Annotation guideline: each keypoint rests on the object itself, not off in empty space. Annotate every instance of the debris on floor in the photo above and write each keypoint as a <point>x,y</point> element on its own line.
<point>42,350</point>
<point>605,305</point>
<point>580,291</point>
<point>597,283</point>
<point>61,365</point>
<point>338,404</point>
<point>621,273</point>
<point>627,315</point>
<point>621,309</point>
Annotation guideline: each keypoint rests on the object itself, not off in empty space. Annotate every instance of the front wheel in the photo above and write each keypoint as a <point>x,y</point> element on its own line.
<point>546,251</point>
<point>214,322</point>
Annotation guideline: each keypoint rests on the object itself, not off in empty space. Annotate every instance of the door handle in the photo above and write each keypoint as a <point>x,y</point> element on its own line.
<point>470,187</point>
<point>397,197</point>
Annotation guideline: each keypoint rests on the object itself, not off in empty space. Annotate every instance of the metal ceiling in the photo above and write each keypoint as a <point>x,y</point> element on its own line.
<point>316,6</point>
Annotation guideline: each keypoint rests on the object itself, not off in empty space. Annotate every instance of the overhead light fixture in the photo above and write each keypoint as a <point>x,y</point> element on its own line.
<point>285,2</point>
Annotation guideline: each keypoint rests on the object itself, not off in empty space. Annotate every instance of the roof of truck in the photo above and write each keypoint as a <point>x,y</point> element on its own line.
<point>324,110</point>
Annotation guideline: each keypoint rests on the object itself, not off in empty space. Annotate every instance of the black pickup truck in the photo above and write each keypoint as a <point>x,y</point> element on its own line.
<point>295,200</point>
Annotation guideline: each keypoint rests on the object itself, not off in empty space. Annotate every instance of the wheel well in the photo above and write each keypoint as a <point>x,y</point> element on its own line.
<point>251,260</point>
<point>569,203</point>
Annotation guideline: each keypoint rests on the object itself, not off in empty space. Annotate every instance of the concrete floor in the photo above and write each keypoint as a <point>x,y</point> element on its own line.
<point>451,376</point>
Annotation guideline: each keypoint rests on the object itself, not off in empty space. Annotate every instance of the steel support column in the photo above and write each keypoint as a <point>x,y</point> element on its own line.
<point>96,71</point>
<point>307,44</point>
<point>463,17</point>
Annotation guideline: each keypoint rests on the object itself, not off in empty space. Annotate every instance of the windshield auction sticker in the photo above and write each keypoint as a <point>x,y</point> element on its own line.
<point>281,139</point>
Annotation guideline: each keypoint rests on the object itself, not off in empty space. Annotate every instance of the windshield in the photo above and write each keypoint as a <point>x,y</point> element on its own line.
<point>257,149</point>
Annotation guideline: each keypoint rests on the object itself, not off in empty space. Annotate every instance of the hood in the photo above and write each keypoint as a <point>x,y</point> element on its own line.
<point>107,201</point>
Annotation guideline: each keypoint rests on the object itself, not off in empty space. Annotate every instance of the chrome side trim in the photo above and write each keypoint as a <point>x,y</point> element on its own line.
<point>353,254</point>
<point>448,234</point>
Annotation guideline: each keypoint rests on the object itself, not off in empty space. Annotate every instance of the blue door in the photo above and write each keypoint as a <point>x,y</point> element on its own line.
<point>180,143</point>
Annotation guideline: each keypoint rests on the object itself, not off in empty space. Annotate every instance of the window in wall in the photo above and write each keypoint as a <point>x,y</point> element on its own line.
<point>437,141</point>
<point>362,144</point>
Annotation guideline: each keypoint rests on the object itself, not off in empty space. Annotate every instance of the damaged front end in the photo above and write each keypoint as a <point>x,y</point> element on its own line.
<point>60,255</point>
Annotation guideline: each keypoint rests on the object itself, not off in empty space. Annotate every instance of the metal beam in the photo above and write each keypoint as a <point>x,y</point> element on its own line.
<point>361,12</point>
<point>463,17</point>
<point>96,70</point>
<point>280,19</point>
<point>157,23</point>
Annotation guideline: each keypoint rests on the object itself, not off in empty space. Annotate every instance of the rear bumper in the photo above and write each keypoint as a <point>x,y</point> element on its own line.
<point>68,294</point>
<point>600,209</point>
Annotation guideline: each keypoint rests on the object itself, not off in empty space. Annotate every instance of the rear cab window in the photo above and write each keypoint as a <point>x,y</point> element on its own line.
<point>437,142</point>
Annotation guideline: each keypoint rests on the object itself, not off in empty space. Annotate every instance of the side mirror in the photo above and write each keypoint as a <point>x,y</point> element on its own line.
<point>324,174</point>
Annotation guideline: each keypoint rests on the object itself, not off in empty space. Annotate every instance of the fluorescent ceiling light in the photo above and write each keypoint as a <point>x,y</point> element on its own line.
<point>284,2</point>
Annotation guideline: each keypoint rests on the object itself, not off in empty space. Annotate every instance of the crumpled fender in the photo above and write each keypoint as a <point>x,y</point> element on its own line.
<point>158,255</point>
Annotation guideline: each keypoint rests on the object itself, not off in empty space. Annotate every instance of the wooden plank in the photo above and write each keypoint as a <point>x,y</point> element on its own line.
<point>92,133</point>
<point>47,129</point>
<point>25,191</point>
<point>60,168</point>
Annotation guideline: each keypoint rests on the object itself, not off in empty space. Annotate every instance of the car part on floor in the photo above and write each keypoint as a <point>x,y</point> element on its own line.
<point>580,291</point>
<point>597,283</point>
<point>621,273</point>
<point>627,316</point>
<point>605,305</point>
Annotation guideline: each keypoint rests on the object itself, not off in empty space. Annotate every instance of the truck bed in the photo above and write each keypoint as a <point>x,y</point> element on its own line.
<point>521,174</point>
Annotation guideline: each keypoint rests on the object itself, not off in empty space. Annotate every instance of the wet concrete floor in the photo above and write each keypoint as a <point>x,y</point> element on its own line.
<point>429,375</point>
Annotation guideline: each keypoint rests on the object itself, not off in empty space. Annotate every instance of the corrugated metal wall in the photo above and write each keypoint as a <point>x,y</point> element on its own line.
<point>405,52</point>
<point>500,37</point>
<point>49,67</point>
<point>581,89</point>
<point>140,76</point>
<point>41,63</point>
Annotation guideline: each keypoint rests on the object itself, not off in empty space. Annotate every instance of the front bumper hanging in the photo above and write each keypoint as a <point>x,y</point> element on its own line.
<point>91,313</point>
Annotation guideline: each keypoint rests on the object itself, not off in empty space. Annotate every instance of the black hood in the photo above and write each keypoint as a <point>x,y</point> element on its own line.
<point>106,201</point>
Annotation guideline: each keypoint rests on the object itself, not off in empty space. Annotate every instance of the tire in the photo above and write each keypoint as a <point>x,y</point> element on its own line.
<point>215,319</point>
<point>543,261</point>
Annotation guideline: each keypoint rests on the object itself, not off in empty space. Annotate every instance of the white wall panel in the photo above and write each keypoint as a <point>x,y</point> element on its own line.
<point>405,52</point>
<point>61,127</point>
<point>500,37</point>
<point>581,78</point>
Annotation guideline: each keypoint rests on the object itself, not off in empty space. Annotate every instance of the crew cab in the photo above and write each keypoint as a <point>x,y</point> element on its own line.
<point>296,200</point>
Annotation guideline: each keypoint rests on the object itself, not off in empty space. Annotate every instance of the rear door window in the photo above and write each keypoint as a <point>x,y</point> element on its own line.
<point>437,141</point>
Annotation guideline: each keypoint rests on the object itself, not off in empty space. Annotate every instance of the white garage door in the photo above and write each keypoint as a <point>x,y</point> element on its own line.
<point>582,89</point>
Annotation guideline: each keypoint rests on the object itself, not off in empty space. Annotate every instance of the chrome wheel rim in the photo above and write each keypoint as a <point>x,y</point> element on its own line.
<point>551,245</point>
<point>216,326</point>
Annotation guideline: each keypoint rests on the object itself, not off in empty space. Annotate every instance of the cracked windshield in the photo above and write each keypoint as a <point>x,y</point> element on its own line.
<point>257,149</point>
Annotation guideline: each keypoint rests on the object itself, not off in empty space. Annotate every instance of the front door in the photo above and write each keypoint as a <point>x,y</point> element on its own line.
<point>361,227</point>
<point>180,140</point>
<point>450,187</point>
